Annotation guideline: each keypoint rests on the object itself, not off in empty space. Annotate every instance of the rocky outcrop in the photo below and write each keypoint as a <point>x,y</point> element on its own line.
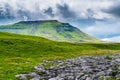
<point>81,68</point>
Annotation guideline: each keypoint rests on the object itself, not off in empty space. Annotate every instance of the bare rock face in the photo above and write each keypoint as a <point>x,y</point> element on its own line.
<point>81,68</point>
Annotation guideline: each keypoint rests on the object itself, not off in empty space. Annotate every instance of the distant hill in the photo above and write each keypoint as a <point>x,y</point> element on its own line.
<point>51,29</point>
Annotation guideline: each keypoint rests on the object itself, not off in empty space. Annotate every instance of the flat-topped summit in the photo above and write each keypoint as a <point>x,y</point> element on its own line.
<point>38,21</point>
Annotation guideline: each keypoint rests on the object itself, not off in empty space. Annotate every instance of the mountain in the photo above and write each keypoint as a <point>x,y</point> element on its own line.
<point>51,29</point>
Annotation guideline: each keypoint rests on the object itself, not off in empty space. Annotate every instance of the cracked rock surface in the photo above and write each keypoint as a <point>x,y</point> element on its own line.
<point>81,68</point>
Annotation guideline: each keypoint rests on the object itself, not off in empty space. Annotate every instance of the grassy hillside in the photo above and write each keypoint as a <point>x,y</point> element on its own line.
<point>51,29</point>
<point>19,53</point>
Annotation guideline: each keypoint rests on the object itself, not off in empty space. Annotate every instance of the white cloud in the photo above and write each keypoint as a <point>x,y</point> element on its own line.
<point>80,7</point>
<point>112,39</point>
<point>103,29</point>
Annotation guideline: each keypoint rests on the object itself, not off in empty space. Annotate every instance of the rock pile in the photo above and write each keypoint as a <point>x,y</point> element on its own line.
<point>81,68</point>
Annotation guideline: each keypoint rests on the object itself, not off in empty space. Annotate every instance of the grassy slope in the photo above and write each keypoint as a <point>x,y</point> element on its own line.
<point>51,29</point>
<point>19,53</point>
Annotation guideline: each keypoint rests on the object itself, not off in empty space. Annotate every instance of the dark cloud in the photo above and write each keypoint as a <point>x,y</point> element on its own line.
<point>20,14</point>
<point>90,13</point>
<point>6,12</point>
<point>65,11</point>
<point>114,10</point>
<point>49,12</point>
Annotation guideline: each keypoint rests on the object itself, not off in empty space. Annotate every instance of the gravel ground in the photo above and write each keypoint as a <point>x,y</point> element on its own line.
<point>81,68</point>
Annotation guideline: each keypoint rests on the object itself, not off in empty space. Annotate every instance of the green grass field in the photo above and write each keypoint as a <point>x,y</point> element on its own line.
<point>19,53</point>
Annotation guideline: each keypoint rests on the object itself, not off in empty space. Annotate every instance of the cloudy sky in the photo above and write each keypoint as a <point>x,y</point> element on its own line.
<point>100,18</point>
